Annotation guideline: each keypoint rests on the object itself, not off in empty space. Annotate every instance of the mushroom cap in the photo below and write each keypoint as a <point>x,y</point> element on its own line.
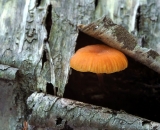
<point>98,59</point>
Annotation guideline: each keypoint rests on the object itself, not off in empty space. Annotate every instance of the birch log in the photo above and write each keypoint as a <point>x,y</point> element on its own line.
<point>59,113</point>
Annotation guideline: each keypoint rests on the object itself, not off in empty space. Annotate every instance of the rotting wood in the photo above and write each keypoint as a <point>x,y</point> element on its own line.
<point>118,37</point>
<point>58,113</point>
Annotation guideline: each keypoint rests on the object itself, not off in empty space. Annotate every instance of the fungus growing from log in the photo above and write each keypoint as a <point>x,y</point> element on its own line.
<point>98,59</point>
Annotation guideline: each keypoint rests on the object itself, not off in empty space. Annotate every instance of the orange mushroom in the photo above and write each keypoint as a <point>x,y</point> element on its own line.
<point>98,59</point>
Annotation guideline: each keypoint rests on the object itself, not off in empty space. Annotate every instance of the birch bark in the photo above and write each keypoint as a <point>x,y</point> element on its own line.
<point>37,39</point>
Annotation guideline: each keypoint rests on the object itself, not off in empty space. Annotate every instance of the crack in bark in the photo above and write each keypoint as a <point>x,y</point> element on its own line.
<point>49,88</point>
<point>38,2</point>
<point>96,3</point>
<point>44,58</point>
<point>138,17</point>
<point>48,22</point>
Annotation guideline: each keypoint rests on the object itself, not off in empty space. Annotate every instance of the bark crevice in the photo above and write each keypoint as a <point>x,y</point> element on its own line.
<point>48,22</point>
<point>38,3</point>
<point>49,88</point>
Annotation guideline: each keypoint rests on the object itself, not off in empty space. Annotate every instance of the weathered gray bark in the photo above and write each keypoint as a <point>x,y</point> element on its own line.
<point>140,17</point>
<point>118,37</point>
<point>7,72</point>
<point>8,109</point>
<point>37,39</point>
<point>28,39</point>
<point>57,113</point>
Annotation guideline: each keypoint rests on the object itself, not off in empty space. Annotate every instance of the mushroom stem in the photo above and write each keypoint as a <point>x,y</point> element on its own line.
<point>101,81</point>
<point>55,91</point>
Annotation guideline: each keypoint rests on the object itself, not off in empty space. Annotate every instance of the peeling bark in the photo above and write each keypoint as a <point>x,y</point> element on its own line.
<point>37,40</point>
<point>118,37</point>
<point>43,28</point>
<point>38,37</point>
<point>40,30</point>
<point>63,35</point>
<point>139,17</point>
<point>58,113</point>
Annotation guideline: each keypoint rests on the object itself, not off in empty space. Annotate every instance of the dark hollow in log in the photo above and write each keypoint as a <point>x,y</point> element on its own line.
<point>135,90</point>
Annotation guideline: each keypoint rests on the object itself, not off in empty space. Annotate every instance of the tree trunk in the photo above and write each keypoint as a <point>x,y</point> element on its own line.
<point>38,37</point>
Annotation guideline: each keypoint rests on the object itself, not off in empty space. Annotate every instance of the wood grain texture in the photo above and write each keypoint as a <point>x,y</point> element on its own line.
<point>47,27</point>
<point>63,35</point>
<point>58,113</point>
<point>118,37</point>
<point>37,39</point>
<point>139,17</point>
